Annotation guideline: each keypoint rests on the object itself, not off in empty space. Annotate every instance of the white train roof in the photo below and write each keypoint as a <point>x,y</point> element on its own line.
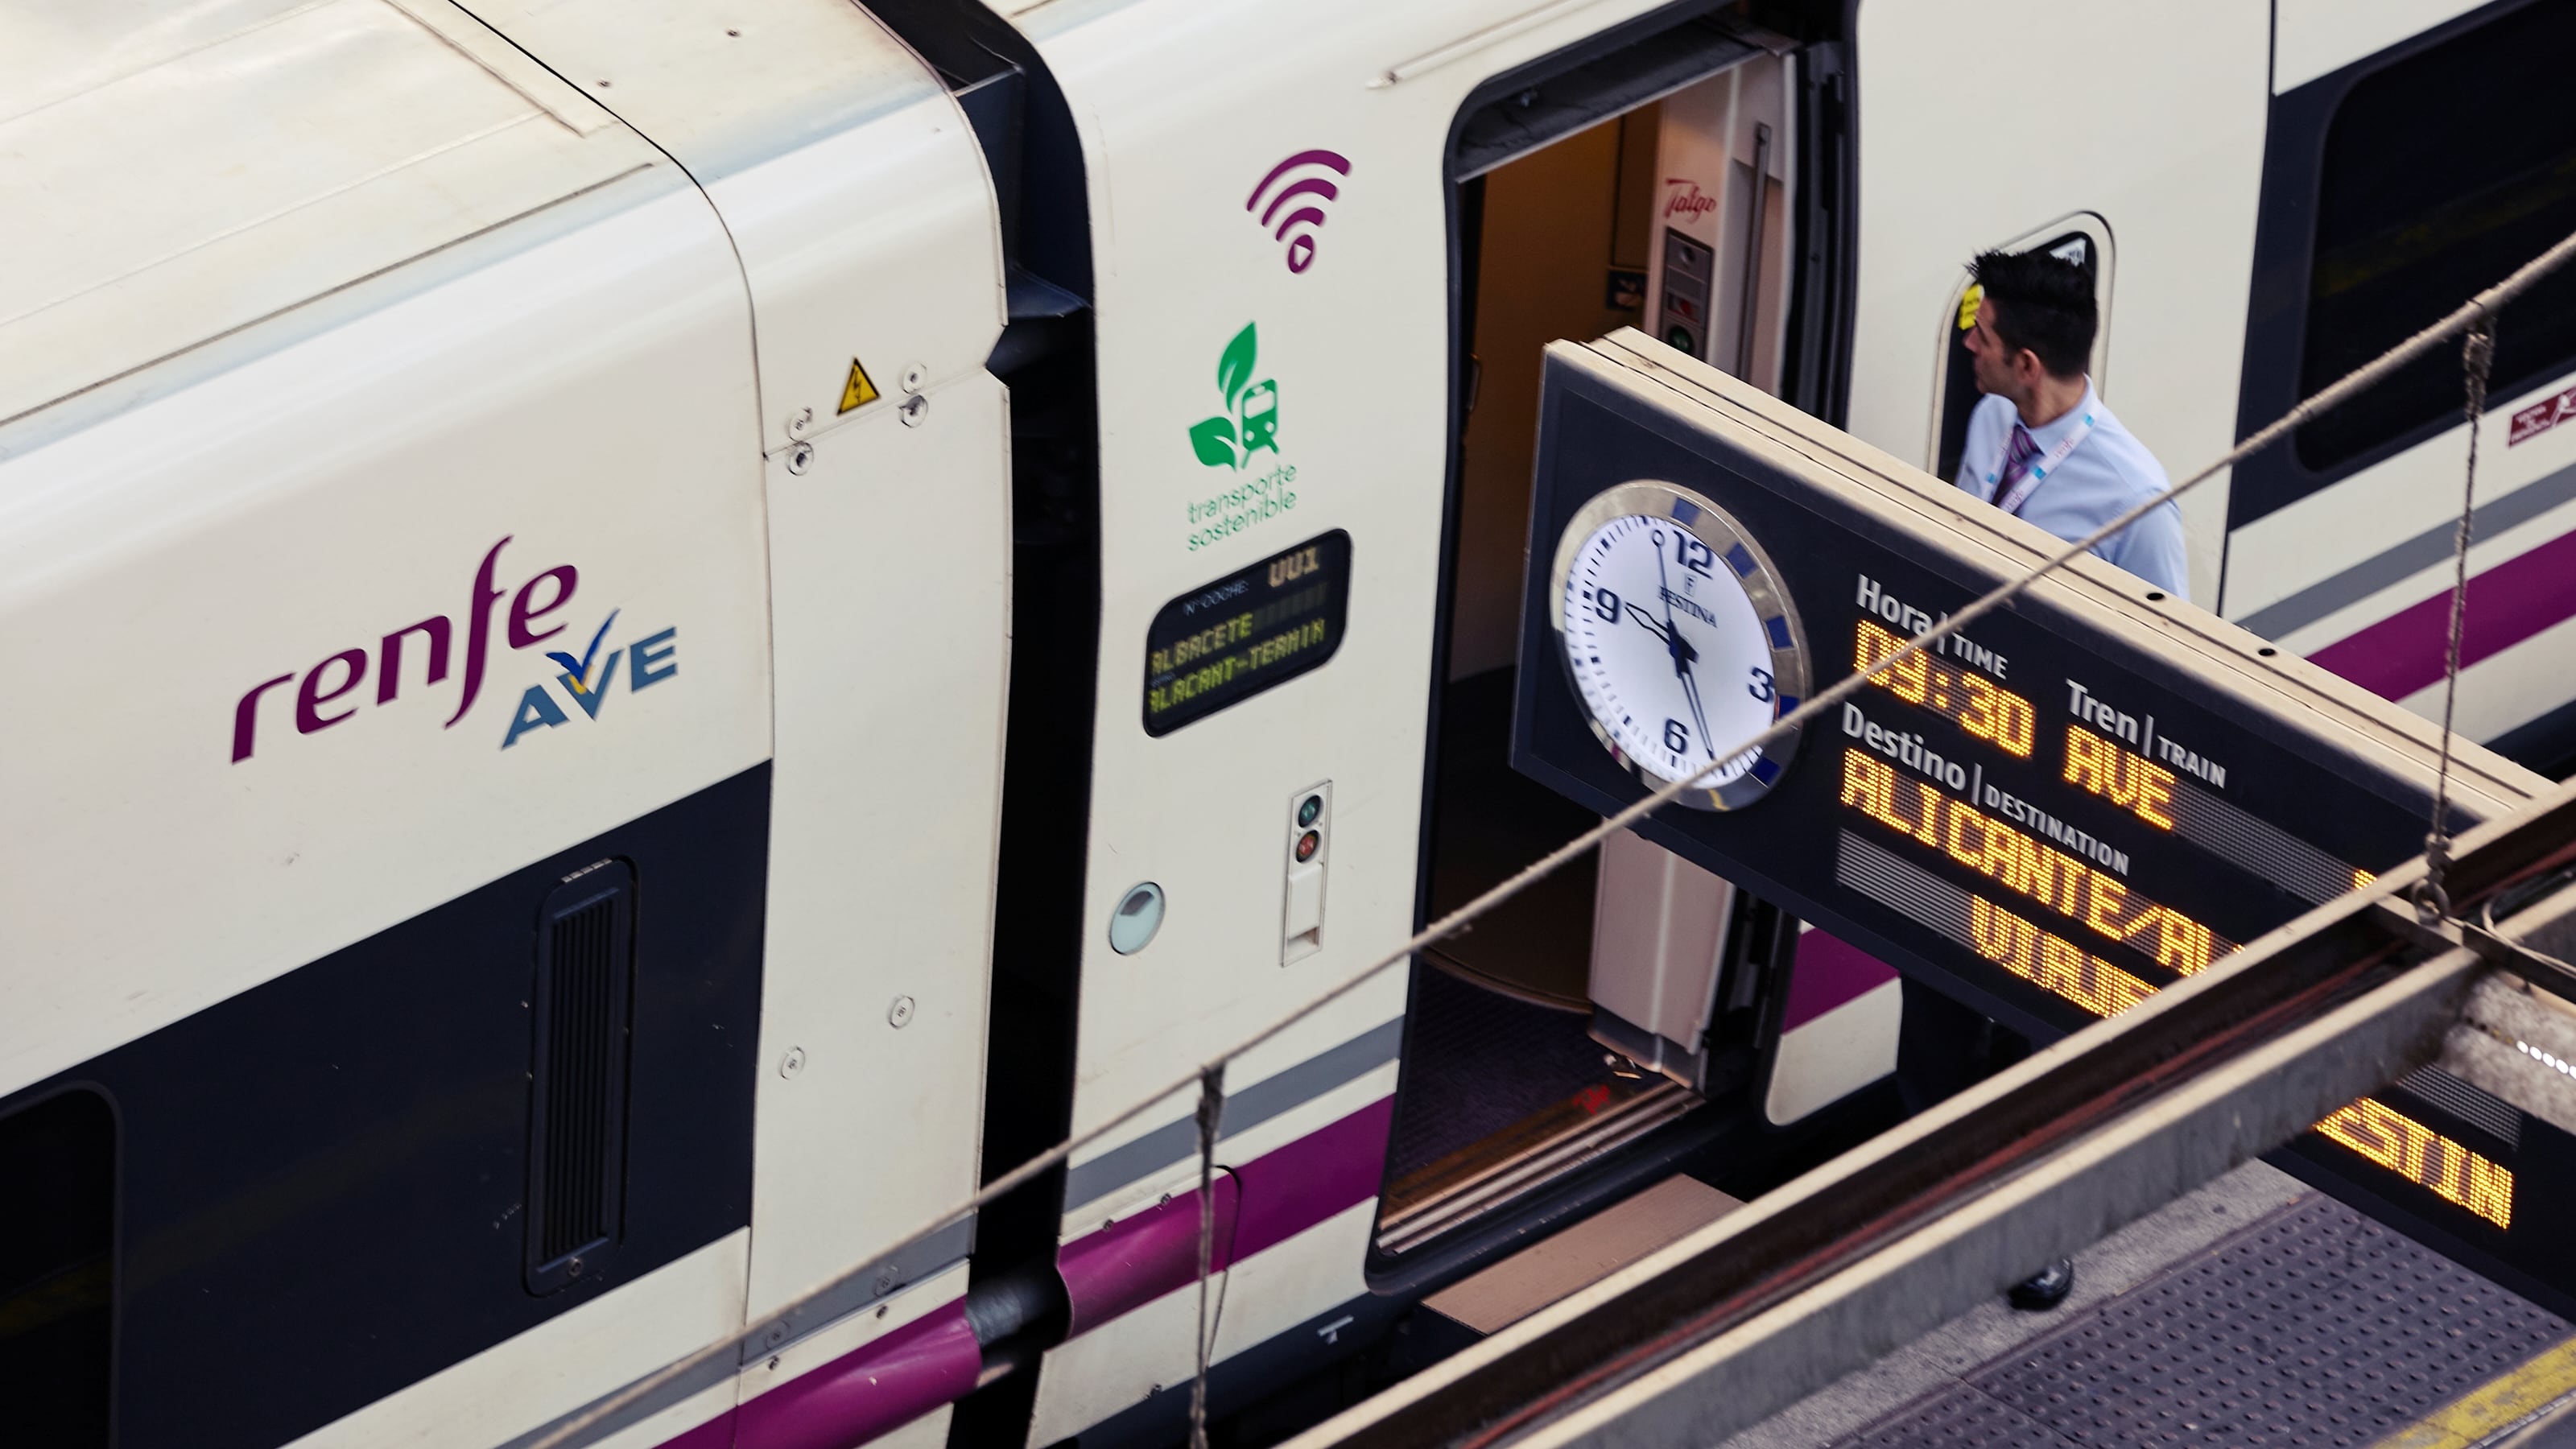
<point>177,170</point>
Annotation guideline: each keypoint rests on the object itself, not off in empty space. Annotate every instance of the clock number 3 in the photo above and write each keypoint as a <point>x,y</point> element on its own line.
<point>1761,686</point>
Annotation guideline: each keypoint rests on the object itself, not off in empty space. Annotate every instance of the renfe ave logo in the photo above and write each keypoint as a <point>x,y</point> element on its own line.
<point>586,680</point>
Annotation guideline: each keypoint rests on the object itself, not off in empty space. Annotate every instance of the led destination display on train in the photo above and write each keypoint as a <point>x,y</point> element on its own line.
<point>2050,815</point>
<point>1224,643</point>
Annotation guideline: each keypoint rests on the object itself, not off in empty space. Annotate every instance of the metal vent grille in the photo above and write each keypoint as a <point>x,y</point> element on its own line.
<point>577,1120</point>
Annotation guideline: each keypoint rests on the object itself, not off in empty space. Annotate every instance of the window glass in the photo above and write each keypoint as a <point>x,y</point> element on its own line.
<point>2441,174</point>
<point>57,1269</point>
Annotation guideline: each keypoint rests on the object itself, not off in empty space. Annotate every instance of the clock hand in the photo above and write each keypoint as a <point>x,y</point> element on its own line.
<point>1690,691</point>
<point>1672,635</point>
<point>1652,627</point>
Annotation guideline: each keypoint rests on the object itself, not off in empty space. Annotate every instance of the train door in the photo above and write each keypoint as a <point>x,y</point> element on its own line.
<point>1620,1019</point>
<point>2411,164</point>
<point>1279,523</point>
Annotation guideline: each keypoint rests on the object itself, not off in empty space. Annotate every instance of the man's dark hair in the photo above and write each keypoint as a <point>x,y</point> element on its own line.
<point>2046,305</point>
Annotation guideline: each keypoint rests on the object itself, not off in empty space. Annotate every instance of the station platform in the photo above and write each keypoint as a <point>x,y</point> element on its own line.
<point>2254,1312</point>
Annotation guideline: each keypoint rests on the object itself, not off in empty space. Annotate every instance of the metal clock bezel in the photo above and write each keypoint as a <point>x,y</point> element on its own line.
<point>1696,515</point>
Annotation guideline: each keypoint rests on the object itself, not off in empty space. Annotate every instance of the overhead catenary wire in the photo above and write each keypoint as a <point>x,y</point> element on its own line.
<point>2485,304</point>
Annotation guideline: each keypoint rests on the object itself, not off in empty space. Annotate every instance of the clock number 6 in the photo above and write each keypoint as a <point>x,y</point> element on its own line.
<point>1676,737</point>
<point>1761,687</point>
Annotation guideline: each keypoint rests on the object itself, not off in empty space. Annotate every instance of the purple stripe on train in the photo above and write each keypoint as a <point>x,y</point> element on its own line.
<point>1138,1259</point>
<point>1259,1204</point>
<point>2507,604</point>
<point>1829,973</point>
<point>930,1361</point>
<point>935,1360</point>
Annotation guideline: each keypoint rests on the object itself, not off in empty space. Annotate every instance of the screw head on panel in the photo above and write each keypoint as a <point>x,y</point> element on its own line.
<point>792,1063</point>
<point>916,377</point>
<point>798,421</point>
<point>914,410</point>
<point>899,1014</point>
<point>800,458</point>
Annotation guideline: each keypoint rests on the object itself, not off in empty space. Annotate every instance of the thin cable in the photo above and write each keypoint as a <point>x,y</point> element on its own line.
<point>1211,1109</point>
<point>2332,396</point>
<point>2477,354</point>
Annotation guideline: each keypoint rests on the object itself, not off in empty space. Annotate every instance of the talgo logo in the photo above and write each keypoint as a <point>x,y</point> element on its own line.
<point>1690,203</point>
<point>432,640</point>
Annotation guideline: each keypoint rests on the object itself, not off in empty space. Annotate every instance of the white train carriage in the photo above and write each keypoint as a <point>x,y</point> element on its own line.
<point>474,872</point>
<point>650,639</point>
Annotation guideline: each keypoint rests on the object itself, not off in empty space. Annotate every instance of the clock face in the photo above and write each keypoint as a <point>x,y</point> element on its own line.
<point>1679,639</point>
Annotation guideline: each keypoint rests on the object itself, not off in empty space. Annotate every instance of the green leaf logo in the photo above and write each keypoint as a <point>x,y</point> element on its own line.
<point>1234,369</point>
<point>1250,422</point>
<point>1213,438</point>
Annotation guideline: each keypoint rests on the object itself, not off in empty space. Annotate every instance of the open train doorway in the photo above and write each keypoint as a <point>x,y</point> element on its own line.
<point>1618,1020</point>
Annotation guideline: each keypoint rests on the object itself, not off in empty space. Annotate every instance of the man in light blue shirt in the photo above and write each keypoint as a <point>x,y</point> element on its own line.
<point>2040,443</point>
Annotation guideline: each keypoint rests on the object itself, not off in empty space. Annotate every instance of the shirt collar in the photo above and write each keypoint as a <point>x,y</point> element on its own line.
<point>2048,435</point>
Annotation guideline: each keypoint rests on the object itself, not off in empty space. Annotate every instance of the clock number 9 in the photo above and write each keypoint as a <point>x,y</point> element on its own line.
<point>1692,554</point>
<point>1606,604</point>
<point>1762,686</point>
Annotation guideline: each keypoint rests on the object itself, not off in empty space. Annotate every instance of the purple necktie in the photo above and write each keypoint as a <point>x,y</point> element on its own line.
<point>2019,454</point>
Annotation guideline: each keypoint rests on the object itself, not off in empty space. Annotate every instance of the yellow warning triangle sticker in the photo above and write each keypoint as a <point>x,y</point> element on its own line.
<point>858,391</point>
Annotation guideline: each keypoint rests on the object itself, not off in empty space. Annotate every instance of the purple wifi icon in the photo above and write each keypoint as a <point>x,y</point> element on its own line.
<point>1299,186</point>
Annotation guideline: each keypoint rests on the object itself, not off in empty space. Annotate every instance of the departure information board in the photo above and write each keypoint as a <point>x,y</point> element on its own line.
<point>1224,642</point>
<point>2050,815</point>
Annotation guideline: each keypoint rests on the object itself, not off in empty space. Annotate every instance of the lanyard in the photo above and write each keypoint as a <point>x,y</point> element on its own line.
<point>2040,468</point>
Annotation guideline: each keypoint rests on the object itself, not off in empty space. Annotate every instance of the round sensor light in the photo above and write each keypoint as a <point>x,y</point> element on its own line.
<point>1138,917</point>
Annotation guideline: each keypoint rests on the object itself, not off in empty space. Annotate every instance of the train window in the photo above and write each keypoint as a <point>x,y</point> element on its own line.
<point>2440,174</point>
<point>57,1268</point>
<point>2084,239</point>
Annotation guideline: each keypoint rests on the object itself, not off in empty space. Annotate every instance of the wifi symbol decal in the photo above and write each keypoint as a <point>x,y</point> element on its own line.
<point>1302,198</point>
